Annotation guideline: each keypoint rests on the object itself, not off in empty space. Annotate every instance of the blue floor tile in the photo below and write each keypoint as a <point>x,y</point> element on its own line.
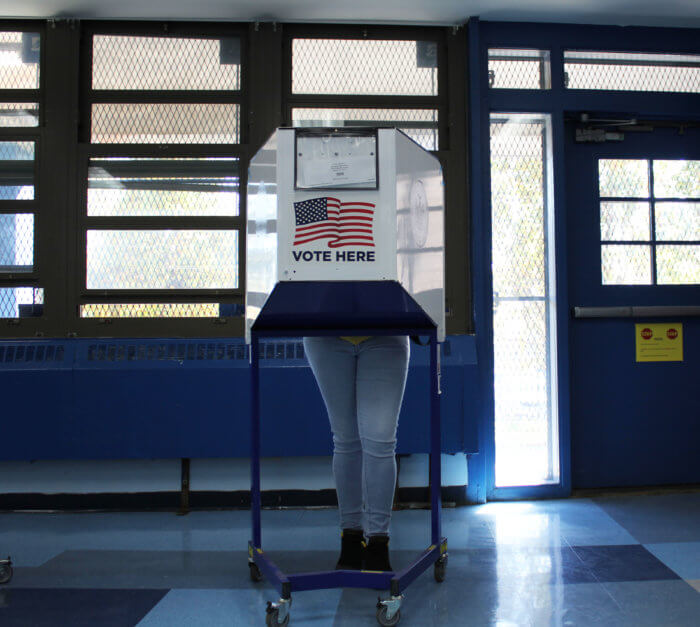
<point>138,569</point>
<point>623,563</point>
<point>656,604</point>
<point>77,608</point>
<point>237,608</point>
<point>538,565</point>
<point>511,603</point>
<point>682,557</point>
<point>656,518</point>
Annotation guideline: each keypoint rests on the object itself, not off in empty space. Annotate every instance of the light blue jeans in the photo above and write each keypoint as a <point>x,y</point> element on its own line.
<point>362,386</point>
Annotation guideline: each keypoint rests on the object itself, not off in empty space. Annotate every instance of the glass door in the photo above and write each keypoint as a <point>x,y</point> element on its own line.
<point>524,305</point>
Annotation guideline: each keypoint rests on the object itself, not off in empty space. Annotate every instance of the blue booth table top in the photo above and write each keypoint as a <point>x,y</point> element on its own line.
<point>308,306</point>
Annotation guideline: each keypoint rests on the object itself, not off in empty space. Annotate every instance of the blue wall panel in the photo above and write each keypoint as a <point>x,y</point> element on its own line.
<point>103,399</point>
<point>633,423</point>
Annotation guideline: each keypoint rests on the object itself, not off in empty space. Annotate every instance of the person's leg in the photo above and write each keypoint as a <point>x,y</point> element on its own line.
<point>333,362</point>
<point>381,378</point>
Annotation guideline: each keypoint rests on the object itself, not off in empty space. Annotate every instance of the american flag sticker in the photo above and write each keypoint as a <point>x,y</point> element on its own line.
<point>340,223</point>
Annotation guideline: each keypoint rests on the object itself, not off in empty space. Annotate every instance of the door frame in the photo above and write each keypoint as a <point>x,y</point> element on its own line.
<point>555,101</point>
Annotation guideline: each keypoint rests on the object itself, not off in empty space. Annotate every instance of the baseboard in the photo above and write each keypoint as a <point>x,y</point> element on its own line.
<point>172,501</point>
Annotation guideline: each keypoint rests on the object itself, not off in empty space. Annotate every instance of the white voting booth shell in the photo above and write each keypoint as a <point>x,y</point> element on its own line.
<point>292,180</point>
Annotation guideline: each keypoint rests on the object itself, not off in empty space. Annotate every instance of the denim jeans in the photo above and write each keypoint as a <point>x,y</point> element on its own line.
<point>362,386</point>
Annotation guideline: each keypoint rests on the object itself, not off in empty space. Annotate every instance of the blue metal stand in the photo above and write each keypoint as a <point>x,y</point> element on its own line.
<point>396,582</point>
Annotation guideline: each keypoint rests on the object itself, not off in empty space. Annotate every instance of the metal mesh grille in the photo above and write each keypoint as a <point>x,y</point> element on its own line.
<point>348,66</point>
<point>16,170</point>
<point>421,125</point>
<point>163,187</point>
<point>19,60</point>
<point>16,151</point>
<point>20,302</point>
<point>18,114</point>
<point>623,178</point>
<point>678,221</point>
<point>679,178</point>
<point>165,123</point>
<point>519,69</point>
<point>162,259</point>
<point>163,63</point>
<point>623,71</point>
<point>150,310</point>
<point>521,393</point>
<point>525,432</point>
<point>518,202</point>
<point>16,242</point>
<point>676,265</point>
<point>626,265</point>
<point>625,221</point>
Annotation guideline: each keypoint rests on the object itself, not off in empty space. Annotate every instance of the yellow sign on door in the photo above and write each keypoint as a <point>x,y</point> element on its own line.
<point>659,342</point>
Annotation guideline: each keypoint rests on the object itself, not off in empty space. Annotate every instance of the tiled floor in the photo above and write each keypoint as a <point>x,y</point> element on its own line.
<point>621,560</point>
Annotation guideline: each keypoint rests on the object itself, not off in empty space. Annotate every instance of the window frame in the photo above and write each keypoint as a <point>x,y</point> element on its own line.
<point>186,326</point>
<point>64,150</point>
<point>653,242</point>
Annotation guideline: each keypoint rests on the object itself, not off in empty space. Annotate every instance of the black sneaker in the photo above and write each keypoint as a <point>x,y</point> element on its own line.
<point>352,548</point>
<point>377,553</point>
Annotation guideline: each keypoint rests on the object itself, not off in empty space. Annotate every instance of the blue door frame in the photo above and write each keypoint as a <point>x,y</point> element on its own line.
<point>556,102</point>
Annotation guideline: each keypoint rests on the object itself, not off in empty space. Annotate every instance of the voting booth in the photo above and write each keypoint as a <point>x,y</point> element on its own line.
<point>345,236</point>
<point>345,205</point>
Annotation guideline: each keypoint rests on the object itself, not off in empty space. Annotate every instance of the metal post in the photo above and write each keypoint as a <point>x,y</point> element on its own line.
<point>435,444</point>
<point>255,440</point>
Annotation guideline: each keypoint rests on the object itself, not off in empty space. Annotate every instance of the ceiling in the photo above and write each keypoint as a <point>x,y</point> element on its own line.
<point>684,13</point>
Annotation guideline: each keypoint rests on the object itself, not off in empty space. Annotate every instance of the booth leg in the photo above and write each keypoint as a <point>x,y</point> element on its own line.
<point>435,471</point>
<point>255,504</point>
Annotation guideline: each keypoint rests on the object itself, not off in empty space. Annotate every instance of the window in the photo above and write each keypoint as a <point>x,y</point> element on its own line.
<point>519,69</point>
<point>124,145</point>
<point>364,67</point>
<point>20,84</point>
<point>163,219</point>
<point>649,221</point>
<point>524,300</point>
<point>420,125</point>
<point>628,71</point>
<point>20,54</point>
<point>378,70</point>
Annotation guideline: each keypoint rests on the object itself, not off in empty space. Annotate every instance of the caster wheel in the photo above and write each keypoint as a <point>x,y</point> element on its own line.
<point>255,574</point>
<point>440,568</point>
<point>5,573</point>
<point>383,620</point>
<point>272,618</point>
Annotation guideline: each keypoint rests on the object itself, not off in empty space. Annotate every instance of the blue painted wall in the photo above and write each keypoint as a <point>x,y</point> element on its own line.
<point>159,399</point>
